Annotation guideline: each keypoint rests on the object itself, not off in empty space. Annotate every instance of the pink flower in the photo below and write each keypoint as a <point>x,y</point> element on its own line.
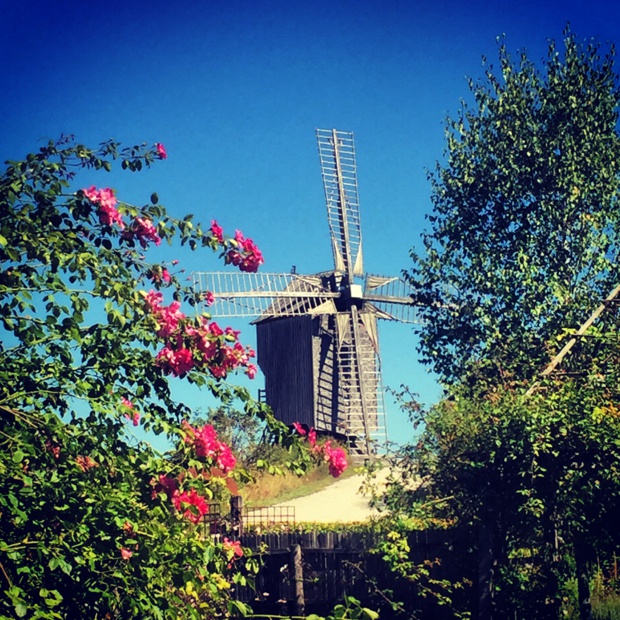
<point>209,298</point>
<point>215,330</point>
<point>245,254</point>
<point>251,371</point>
<point>126,553</point>
<point>153,300</point>
<point>158,276</point>
<point>217,232</point>
<point>168,318</point>
<point>312,437</point>
<point>299,428</point>
<point>165,484</point>
<point>161,150</point>
<point>204,440</point>
<point>206,444</point>
<point>232,334</point>
<point>144,231</point>
<point>135,416</point>
<point>232,548</point>
<point>336,459</point>
<point>226,460</point>
<point>108,215</point>
<point>194,506</point>
<point>174,362</point>
<point>107,198</point>
<point>219,372</point>
<point>92,193</point>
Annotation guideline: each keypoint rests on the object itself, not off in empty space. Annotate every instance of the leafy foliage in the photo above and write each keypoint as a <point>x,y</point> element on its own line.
<point>537,476</point>
<point>94,523</point>
<point>524,231</point>
<point>523,246</point>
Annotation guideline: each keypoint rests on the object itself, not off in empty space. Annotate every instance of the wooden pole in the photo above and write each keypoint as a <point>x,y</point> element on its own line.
<point>580,332</point>
<point>296,571</point>
<point>236,514</point>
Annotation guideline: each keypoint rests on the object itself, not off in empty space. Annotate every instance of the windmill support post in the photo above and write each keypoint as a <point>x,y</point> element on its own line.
<point>296,570</point>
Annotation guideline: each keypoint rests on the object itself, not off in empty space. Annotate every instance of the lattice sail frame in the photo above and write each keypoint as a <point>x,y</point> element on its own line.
<point>339,172</point>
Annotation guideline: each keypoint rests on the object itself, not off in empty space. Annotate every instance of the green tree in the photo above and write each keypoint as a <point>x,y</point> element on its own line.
<point>522,247</point>
<point>523,238</point>
<point>533,480</point>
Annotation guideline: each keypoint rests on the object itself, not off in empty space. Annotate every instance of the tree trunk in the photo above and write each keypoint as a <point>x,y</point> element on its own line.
<point>582,558</point>
<point>486,568</point>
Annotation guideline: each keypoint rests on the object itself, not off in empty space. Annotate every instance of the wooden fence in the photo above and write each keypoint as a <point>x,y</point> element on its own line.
<point>310,572</point>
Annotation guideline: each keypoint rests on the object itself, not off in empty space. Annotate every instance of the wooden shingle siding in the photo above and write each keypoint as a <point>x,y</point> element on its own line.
<point>285,357</point>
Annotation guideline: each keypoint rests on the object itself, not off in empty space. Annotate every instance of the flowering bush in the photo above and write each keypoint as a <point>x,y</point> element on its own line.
<point>94,523</point>
<point>336,458</point>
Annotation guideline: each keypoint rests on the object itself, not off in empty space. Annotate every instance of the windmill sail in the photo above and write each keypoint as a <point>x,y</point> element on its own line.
<point>339,170</point>
<point>237,294</point>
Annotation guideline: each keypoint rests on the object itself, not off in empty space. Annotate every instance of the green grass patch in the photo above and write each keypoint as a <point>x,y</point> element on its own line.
<point>269,489</point>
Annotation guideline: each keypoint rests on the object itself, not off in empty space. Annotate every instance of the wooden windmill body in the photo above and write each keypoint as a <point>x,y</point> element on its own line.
<point>317,342</point>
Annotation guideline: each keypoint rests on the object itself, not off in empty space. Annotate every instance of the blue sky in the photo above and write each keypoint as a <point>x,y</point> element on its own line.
<point>235,90</point>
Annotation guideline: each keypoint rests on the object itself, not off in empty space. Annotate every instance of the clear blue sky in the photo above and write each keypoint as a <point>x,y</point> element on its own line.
<point>235,90</point>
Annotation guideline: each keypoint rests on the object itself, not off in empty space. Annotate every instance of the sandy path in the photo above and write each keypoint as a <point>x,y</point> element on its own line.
<point>339,502</point>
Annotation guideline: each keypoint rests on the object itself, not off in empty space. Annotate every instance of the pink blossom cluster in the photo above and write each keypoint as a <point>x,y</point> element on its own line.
<point>168,317</point>
<point>159,276</point>
<point>232,549</point>
<point>165,484</point>
<point>336,458</point>
<point>207,445</point>
<point>144,231</point>
<point>239,251</point>
<point>106,201</point>
<point>161,150</point>
<point>245,254</point>
<point>217,232</point>
<point>191,505</point>
<point>201,345</point>
<point>133,414</point>
<point>141,229</point>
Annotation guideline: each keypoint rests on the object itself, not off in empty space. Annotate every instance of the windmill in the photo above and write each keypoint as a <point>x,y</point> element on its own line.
<point>317,341</point>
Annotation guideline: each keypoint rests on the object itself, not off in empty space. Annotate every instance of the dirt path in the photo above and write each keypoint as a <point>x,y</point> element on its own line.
<point>339,502</point>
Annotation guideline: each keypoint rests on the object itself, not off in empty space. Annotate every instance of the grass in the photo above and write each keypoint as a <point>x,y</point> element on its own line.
<point>268,490</point>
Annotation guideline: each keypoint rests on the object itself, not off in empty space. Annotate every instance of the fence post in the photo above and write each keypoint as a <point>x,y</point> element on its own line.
<point>296,570</point>
<point>236,514</point>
